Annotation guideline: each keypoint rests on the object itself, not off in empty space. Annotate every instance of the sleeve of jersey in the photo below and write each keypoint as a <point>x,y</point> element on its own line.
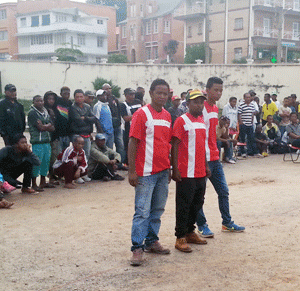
<point>178,128</point>
<point>138,124</point>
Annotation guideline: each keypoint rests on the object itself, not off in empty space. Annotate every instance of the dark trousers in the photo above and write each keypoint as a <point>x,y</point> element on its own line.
<point>68,170</point>
<point>189,200</point>
<point>12,175</point>
<point>261,147</point>
<point>126,142</point>
<point>247,131</point>
<point>296,143</point>
<point>103,170</point>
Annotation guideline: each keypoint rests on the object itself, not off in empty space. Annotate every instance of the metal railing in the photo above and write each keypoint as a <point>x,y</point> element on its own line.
<point>271,33</point>
<point>189,10</point>
<point>279,3</point>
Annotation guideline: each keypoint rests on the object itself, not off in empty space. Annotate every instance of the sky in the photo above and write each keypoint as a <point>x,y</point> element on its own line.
<point>10,1</point>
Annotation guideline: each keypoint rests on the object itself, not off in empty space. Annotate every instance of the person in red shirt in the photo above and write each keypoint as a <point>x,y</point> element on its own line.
<point>149,164</point>
<point>189,170</point>
<point>214,89</point>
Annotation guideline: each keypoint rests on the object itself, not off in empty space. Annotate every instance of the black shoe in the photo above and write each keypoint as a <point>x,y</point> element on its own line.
<point>118,178</point>
<point>106,179</point>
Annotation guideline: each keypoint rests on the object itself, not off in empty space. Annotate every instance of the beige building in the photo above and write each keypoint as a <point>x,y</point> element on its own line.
<point>248,29</point>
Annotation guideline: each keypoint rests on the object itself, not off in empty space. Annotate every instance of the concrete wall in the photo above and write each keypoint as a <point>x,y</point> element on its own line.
<point>33,78</point>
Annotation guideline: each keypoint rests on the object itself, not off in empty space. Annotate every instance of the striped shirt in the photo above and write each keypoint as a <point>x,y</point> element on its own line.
<point>246,113</point>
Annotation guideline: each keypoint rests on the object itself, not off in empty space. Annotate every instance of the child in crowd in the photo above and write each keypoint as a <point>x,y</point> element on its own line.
<point>224,140</point>
<point>261,141</point>
<point>284,113</point>
<point>272,132</point>
<point>40,127</point>
<point>71,163</point>
<point>231,112</point>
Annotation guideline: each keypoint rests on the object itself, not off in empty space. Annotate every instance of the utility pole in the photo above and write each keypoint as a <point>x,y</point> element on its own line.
<point>279,37</point>
<point>207,50</point>
<point>226,34</point>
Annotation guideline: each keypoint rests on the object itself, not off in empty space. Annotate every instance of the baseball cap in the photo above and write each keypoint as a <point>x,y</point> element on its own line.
<point>100,136</point>
<point>10,87</point>
<point>100,92</point>
<point>274,93</point>
<point>252,92</point>
<point>194,94</point>
<point>176,98</point>
<point>128,91</point>
<point>89,93</point>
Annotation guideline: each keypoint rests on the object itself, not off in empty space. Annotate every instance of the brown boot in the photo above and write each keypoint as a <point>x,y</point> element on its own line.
<point>194,238</point>
<point>157,248</point>
<point>29,191</point>
<point>182,246</point>
<point>137,257</point>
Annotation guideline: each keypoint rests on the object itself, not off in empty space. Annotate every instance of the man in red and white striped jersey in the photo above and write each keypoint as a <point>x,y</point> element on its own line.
<point>189,170</point>
<point>149,164</point>
<point>214,89</point>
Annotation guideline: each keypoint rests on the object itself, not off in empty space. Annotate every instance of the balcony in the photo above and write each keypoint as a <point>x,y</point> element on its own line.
<point>291,5</point>
<point>189,11</point>
<point>63,26</point>
<point>263,32</point>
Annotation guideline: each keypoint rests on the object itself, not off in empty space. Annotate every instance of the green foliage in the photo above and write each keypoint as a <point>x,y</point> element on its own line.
<point>242,60</point>
<point>171,48</point>
<point>195,53</point>
<point>98,83</point>
<point>68,54</point>
<point>26,103</point>
<point>117,59</point>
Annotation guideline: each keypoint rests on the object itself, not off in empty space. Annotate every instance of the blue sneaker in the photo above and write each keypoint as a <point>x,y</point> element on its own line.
<point>232,227</point>
<point>204,231</point>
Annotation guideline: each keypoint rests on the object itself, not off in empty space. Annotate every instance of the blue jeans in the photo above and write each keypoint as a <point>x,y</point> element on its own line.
<point>228,150</point>
<point>64,142</point>
<point>218,180</point>
<point>109,140</point>
<point>87,147</point>
<point>118,139</point>
<point>247,131</point>
<point>150,199</point>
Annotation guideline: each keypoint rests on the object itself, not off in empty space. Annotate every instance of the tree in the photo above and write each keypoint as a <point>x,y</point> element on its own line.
<point>117,59</point>
<point>171,48</point>
<point>194,53</point>
<point>99,82</point>
<point>68,54</point>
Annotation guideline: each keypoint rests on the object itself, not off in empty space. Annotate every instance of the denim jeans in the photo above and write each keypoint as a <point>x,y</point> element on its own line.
<point>150,199</point>
<point>118,139</point>
<point>218,180</point>
<point>87,147</point>
<point>228,150</point>
<point>109,140</point>
<point>247,131</point>
<point>64,142</point>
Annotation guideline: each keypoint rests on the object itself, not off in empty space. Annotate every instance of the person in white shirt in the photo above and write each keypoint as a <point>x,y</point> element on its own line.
<point>274,98</point>
<point>230,110</point>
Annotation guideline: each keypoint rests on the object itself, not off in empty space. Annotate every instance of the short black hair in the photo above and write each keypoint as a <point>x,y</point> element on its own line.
<point>268,95</point>
<point>36,97</point>
<point>232,98</point>
<point>158,82</point>
<point>294,96</point>
<point>64,88</point>
<point>78,91</point>
<point>182,94</point>
<point>213,80</point>
<point>294,113</point>
<point>16,138</point>
<point>270,115</point>
<point>256,98</point>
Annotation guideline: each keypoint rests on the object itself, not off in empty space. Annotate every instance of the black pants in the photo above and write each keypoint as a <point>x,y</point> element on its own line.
<point>189,200</point>
<point>296,143</point>
<point>103,170</point>
<point>11,175</point>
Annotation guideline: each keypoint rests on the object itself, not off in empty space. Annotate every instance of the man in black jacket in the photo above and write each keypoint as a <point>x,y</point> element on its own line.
<point>12,116</point>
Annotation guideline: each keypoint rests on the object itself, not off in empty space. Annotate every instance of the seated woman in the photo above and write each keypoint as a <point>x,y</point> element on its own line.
<point>71,162</point>
<point>224,140</point>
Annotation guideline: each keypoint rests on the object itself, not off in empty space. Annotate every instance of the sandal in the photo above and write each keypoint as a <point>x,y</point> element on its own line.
<point>5,204</point>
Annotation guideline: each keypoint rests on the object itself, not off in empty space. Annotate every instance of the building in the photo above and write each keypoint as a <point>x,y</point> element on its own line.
<point>41,33</point>
<point>244,29</point>
<point>146,32</point>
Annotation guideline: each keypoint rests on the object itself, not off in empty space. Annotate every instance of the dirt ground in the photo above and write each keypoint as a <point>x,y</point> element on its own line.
<point>80,239</point>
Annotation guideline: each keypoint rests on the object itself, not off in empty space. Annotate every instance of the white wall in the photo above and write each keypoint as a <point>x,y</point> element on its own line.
<point>33,78</point>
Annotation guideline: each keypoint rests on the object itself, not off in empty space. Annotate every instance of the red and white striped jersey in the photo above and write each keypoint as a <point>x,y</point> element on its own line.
<point>191,151</point>
<point>153,130</point>
<point>210,117</point>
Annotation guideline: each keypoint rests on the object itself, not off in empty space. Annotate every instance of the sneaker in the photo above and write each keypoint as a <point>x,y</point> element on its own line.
<point>80,181</point>
<point>230,161</point>
<point>106,178</point>
<point>157,248</point>
<point>232,227</point>
<point>194,238</point>
<point>137,257</point>
<point>182,245</point>
<point>204,231</point>
<point>86,178</point>
<point>7,188</point>
<point>118,178</point>
<point>244,156</point>
<point>264,154</point>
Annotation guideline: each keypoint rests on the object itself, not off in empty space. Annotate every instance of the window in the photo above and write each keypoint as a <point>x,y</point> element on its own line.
<point>74,18</point>
<point>142,10</point>
<point>60,39</point>
<point>80,39</point>
<point>296,32</point>
<point>23,22</point>
<point>148,53</point>
<point>189,32</point>
<point>98,60</point>
<point>24,41</point>
<point>34,21</point>
<point>41,39</point>
<point>155,26</point>
<point>46,19</point>
<point>133,10</point>
<point>296,4</point>
<point>99,21</point>
<point>3,14</point>
<point>61,18</point>
<point>167,26</point>
<point>148,27</point>
<point>124,31</point>
<point>150,9</point>
<point>238,23</point>
<point>200,28</point>
<point>3,35</point>
<point>99,41</point>
<point>267,27</point>
<point>155,52</point>
<point>238,53</point>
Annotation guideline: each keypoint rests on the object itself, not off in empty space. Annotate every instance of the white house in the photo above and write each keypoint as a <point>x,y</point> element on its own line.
<point>41,33</point>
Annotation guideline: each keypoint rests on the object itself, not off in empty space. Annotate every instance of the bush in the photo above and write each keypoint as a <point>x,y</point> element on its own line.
<point>98,83</point>
<point>195,53</point>
<point>117,59</point>
<point>242,60</point>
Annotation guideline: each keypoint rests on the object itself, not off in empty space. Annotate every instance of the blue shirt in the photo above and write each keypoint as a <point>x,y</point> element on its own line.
<point>103,114</point>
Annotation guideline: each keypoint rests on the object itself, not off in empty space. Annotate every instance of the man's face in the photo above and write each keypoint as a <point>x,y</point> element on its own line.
<point>79,98</point>
<point>247,98</point>
<point>270,119</point>
<point>100,143</point>
<point>232,103</point>
<point>103,97</point>
<point>107,88</point>
<point>274,97</point>
<point>88,99</point>
<point>65,94</point>
<point>159,95</point>
<point>130,97</point>
<point>142,91</point>
<point>51,100</point>
<point>267,98</point>
<point>215,92</point>
<point>79,144</point>
<point>176,102</point>
<point>286,102</point>
<point>22,145</point>
<point>38,103</point>
<point>11,94</point>
<point>294,118</point>
<point>196,106</point>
